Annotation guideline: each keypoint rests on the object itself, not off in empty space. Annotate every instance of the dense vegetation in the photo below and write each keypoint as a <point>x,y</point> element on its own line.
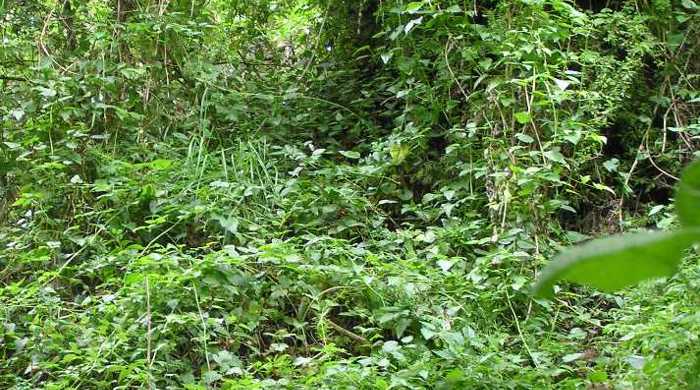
<point>340,194</point>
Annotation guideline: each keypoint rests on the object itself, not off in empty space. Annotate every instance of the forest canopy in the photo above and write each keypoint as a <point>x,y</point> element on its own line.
<point>346,194</point>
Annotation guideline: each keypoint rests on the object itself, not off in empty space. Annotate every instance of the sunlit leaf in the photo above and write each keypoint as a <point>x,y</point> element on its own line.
<point>562,84</point>
<point>555,156</point>
<point>689,4</point>
<point>522,117</point>
<point>386,57</point>
<point>409,26</point>
<point>17,113</point>
<point>522,137</point>
<point>413,7</point>
<point>350,154</point>
<point>572,357</point>
<point>611,165</point>
<point>160,164</point>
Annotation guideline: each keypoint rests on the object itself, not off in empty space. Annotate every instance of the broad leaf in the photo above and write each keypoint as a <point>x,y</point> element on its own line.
<point>413,7</point>
<point>522,117</point>
<point>688,196</point>
<point>612,263</point>
<point>350,154</point>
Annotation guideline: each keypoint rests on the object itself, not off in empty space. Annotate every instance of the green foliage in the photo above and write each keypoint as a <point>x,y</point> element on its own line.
<point>329,194</point>
<point>613,263</point>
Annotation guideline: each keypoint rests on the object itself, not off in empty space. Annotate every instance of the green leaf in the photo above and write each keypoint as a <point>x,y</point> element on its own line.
<point>522,137</point>
<point>391,346</point>
<point>413,7</point>
<point>12,145</point>
<point>603,187</point>
<point>689,4</point>
<point>573,137</point>
<point>17,113</point>
<point>47,92</point>
<point>572,357</point>
<point>562,84</point>
<point>522,117</point>
<point>555,156</point>
<point>409,26</point>
<point>612,263</point>
<point>386,57</point>
<point>350,154</point>
<point>230,224</point>
<point>612,164</point>
<point>486,63</point>
<point>160,164</point>
<point>399,153</point>
<point>688,196</point>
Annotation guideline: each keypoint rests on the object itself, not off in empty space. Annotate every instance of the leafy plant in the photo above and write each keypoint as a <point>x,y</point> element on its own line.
<point>264,194</point>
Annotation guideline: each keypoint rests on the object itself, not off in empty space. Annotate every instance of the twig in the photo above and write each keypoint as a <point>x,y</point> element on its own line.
<point>346,332</point>
<point>204,326</point>
<point>520,332</point>
<point>148,327</point>
<point>528,102</point>
<point>651,160</point>
<point>164,232</point>
<point>448,47</point>
<point>627,180</point>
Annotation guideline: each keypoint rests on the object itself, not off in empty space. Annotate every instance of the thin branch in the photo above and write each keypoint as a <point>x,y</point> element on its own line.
<point>448,47</point>
<point>346,332</point>
<point>520,332</point>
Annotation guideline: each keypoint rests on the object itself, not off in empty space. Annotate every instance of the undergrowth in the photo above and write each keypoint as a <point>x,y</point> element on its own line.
<point>339,194</point>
